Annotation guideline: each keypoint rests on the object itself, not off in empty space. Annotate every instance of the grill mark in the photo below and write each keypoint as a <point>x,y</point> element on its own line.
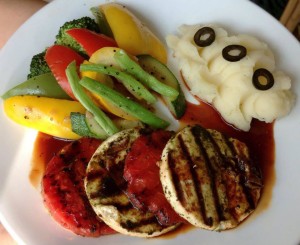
<point>111,184</point>
<point>227,165</point>
<point>247,191</point>
<point>74,179</point>
<point>116,172</point>
<point>197,131</point>
<point>115,159</point>
<point>226,159</point>
<point>122,208</point>
<point>207,221</point>
<point>219,153</point>
<point>131,226</point>
<point>99,194</point>
<point>94,174</point>
<point>110,171</point>
<point>237,168</point>
<point>116,146</point>
<point>175,178</point>
<point>240,171</point>
<point>71,161</point>
<point>111,165</point>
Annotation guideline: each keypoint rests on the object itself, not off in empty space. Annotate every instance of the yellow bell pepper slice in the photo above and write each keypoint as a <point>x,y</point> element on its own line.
<point>47,115</point>
<point>106,56</point>
<point>131,34</point>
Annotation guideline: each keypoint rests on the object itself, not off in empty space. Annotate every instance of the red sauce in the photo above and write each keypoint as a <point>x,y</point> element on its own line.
<point>45,147</point>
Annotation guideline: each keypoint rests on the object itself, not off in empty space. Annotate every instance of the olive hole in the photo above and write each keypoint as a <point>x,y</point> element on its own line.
<point>204,37</point>
<point>234,52</point>
<point>262,80</point>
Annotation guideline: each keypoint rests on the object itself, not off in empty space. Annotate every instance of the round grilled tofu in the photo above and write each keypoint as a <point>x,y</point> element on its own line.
<point>209,179</point>
<point>104,185</point>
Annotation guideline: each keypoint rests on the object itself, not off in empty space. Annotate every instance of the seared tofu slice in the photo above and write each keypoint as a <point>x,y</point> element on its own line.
<point>209,179</point>
<point>104,185</point>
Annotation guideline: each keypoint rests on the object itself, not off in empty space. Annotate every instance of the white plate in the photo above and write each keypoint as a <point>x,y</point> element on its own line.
<point>21,206</point>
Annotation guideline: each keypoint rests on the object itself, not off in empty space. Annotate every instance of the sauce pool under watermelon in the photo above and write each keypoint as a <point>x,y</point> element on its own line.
<point>45,147</point>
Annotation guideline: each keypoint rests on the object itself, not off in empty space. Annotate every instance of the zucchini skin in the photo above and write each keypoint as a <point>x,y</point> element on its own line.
<point>82,127</point>
<point>159,70</point>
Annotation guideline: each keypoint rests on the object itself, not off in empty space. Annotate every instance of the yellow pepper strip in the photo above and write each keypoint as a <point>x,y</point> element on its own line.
<point>48,115</point>
<point>131,34</point>
<point>105,56</point>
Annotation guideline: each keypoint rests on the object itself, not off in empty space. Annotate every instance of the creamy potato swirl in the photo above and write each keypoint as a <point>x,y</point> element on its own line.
<point>228,85</point>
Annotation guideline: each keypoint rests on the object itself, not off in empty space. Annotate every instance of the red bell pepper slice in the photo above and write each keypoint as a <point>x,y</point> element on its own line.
<point>91,41</point>
<point>58,57</point>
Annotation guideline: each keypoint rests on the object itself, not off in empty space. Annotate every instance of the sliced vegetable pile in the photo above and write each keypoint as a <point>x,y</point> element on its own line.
<point>100,76</point>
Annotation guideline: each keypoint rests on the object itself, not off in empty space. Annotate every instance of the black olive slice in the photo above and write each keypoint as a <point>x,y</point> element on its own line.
<point>262,79</point>
<point>205,36</point>
<point>227,52</point>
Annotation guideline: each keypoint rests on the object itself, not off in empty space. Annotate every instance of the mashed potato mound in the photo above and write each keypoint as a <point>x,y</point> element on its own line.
<point>228,85</point>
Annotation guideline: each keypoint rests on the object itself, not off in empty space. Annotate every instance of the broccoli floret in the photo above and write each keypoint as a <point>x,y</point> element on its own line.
<point>38,65</point>
<point>63,38</point>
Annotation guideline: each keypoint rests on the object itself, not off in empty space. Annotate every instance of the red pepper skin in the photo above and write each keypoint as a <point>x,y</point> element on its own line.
<point>91,41</point>
<point>58,57</point>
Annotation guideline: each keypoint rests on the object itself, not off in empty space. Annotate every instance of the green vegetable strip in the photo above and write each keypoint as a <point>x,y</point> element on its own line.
<point>79,125</point>
<point>137,71</point>
<point>104,121</point>
<point>124,103</point>
<point>44,85</point>
<point>137,89</point>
